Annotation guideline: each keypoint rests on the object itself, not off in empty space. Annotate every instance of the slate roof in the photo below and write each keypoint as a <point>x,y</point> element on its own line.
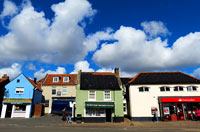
<point>48,81</point>
<point>99,81</point>
<point>164,78</point>
<point>125,80</point>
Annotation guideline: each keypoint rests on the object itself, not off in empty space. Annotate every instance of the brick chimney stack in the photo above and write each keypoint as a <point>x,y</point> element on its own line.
<point>5,76</point>
<point>117,71</point>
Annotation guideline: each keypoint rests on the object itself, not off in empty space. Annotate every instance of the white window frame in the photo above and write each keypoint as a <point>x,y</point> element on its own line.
<point>165,89</point>
<point>65,79</point>
<point>89,95</point>
<point>143,89</point>
<point>64,93</point>
<point>179,89</point>
<point>55,79</point>
<point>20,89</point>
<point>191,89</point>
<point>105,95</point>
<point>53,88</point>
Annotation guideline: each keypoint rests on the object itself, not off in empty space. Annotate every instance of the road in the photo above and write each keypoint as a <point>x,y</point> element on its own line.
<point>54,124</point>
<point>17,128</point>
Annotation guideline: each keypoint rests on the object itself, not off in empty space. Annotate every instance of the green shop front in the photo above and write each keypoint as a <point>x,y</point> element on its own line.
<point>99,111</point>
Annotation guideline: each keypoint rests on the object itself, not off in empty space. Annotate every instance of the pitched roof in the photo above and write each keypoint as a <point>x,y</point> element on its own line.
<point>35,85</point>
<point>49,79</point>
<point>99,81</point>
<point>125,80</point>
<point>2,79</point>
<point>164,78</point>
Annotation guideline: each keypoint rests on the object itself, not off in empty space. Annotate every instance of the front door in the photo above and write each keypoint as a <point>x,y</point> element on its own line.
<point>108,115</point>
<point>9,110</point>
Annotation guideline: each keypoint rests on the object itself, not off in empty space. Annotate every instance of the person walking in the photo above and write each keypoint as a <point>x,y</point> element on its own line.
<point>156,114</point>
<point>63,114</point>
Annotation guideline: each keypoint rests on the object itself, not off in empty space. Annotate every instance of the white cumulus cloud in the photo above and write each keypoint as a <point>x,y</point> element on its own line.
<point>13,71</point>
<point>41,73</point>
<point>60,40</point>
<point>9,9</point>
<point>82,65</point>
<point>133,52</point>
<point>155,28</point>
<point>31,66</point>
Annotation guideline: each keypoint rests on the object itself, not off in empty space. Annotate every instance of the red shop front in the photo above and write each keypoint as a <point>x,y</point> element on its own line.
<point>179,108</point>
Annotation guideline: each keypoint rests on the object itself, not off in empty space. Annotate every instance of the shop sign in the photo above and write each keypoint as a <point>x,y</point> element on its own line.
<point>181,99</point>
<point>17,100</point>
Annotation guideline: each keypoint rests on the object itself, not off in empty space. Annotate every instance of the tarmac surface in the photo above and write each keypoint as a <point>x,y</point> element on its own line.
<point>55,124</point>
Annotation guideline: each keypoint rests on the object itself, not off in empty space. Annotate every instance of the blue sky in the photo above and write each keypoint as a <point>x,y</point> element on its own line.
<point>64,36</point>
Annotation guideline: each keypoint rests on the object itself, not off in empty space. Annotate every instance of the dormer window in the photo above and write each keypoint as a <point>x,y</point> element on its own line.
<point>65,79</point>
<point>55,79</point>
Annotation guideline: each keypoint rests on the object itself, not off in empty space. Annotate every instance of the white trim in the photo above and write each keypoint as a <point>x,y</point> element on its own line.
<point>20,89</point>
<point>3,111</point>
<point>110,95</point>
<point>67,80</point>
<point>55,78</point>
<point>89,95</point>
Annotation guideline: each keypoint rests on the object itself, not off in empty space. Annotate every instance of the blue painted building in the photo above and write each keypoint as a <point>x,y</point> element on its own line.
<point>20,96</point>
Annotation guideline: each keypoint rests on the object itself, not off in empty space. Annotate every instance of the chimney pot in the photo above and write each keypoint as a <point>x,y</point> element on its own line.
<point>35,80</point>
<point>117,71</point>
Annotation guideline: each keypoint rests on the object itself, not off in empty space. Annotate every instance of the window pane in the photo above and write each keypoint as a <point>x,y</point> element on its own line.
<point>175,88</point>
<point>141,89</point>
<point>58,93</point>
<point>91,94</point>
<point>180,88</point>
<point>167,88</point>
<point>65,79</point>
<point>189,88</point>
<point>194,88</point>
<point>46,103</point>
<point>146,89</point>
<point>162,89</point>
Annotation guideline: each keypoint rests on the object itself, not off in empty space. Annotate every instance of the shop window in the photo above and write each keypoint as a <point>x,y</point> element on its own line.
<point>163,89</point>
<point>92,95</point>
<point>19,90</point>
<point>65,79</point>
<point>46,103</point>
<point>107,95</point>
<point>55,79</point>
<point>143,89</point>
<point>95,112</point>
<point>20,108</point>
<point>191,88</point>
<point>178,88</point>
<point>64,90</point>
<point>53,90</point>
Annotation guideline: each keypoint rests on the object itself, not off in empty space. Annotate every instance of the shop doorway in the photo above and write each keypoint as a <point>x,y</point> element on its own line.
<point>9,110</point>
<point>180,111</point>
<point>108,115</point>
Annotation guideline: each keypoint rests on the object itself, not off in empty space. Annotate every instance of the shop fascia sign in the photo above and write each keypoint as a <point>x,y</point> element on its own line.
<point>181,99</point>
<point>17,100</point>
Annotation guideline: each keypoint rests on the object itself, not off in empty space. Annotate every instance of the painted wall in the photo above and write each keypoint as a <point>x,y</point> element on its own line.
<point>28,88</point>
<point>47,93</point>
<point>141,102</point>
<point>82,96</point>
<point>37,98</point>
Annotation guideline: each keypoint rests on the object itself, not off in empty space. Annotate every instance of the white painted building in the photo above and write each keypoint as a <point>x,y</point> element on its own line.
<point>175,95</point>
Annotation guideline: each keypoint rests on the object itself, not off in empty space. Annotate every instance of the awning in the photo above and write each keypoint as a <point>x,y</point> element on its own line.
<point>99,104</point>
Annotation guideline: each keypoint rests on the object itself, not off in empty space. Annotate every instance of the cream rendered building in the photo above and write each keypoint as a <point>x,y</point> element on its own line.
<point>59,91</point>
<point>174,94</point>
